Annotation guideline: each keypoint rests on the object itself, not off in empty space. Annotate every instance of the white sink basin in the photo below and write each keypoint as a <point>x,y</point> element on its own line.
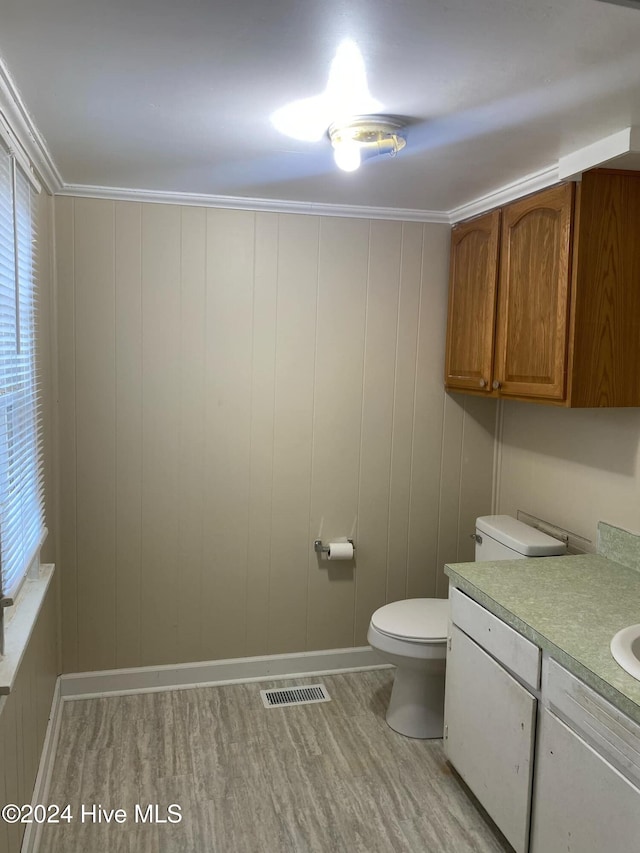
<point>625,648</point>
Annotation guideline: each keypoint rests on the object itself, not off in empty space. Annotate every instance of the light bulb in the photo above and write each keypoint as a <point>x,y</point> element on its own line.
<point>347,156</point>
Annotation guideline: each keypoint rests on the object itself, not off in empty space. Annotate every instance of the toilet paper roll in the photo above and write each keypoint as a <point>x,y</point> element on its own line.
<point>340,551</point>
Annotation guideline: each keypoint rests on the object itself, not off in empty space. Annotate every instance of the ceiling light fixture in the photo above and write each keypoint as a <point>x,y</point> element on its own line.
<point>363,137</point>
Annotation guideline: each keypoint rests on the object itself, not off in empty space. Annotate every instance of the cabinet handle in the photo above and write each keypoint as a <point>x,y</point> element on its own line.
<point>496,384</point>
<point>483,383</point>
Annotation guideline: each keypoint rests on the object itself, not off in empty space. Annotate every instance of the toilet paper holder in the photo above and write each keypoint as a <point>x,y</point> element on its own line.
<point>319,548</point>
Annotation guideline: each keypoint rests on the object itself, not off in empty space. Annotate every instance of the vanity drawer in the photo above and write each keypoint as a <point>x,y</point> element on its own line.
<point>510,648</point>
<point>611,733</point>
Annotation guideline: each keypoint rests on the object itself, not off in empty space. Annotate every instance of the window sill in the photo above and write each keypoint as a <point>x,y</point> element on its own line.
<point>19,625</point>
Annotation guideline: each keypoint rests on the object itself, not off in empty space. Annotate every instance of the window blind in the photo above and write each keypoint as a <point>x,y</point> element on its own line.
<point>21,474</point>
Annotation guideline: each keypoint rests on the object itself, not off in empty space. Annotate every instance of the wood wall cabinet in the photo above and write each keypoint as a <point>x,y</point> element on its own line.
<point>472,303</point>
<point>532,319</point>
<point>544,300</point>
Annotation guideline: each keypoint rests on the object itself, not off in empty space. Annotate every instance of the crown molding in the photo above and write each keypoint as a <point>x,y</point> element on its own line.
<point>509,192</point>
<point>25,133</point>
<point>496,198</point>
<point>256,204</point>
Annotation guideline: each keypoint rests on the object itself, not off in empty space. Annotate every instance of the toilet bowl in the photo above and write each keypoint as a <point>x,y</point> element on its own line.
<point>412,635</point>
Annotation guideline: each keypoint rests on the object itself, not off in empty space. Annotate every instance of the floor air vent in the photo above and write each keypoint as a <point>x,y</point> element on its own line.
<point>283,696</point>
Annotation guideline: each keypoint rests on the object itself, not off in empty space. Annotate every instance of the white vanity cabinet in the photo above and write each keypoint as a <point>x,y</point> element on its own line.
<point>580,792</point>
<point>490,716</point>
<point>582,801</point>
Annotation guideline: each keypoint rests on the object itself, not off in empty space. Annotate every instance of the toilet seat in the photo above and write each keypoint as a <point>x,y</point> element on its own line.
<point>414,620</point>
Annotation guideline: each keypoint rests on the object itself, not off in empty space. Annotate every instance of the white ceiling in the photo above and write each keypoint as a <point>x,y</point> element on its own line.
<point>175,95</point>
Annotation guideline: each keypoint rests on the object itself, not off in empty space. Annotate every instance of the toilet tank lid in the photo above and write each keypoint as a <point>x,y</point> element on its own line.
<point>520,537</point>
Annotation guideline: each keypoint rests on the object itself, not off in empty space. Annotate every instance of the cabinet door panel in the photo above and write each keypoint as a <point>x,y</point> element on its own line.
<point>580,802</point>
<point>489,729</point>
<point>472,303</point>
<point>606,356</point>
<point>533,307</point>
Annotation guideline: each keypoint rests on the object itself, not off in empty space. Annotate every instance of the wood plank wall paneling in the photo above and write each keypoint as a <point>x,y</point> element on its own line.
<point>229,315</point>
<point>381,329</point>
<point>337,417</point>
<point>243,383</point>
<point>160,570</point>
<point>410,285</point>
<point>426,466</point>
<point>24,715</point>
<point>128,431</point>
<point>261,468</point>
<point>298,248</point>
<point>95,386</point>
<point>192,434</point>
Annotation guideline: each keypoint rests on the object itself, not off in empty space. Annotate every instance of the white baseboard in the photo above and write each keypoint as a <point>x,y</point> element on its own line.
<point>31,837</point>
<point>148,679</point>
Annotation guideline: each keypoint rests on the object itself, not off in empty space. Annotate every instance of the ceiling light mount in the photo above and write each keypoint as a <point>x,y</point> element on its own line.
<point>366,136</point>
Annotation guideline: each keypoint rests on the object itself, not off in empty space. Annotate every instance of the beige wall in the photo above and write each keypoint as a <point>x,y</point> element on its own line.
<point>233,385</point>
<point>24,713</point>
<point>571,467</point>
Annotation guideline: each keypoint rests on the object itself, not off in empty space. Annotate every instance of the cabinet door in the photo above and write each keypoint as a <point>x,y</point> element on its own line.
<point>606,314</point>
<point>580,801</point>
<point>489,731</point>
<point>472,303</point>
<point>533,302</point>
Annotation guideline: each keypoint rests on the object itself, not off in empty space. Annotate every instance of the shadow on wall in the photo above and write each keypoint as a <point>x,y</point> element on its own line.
<point>606,439</point>
<point>467,476</point>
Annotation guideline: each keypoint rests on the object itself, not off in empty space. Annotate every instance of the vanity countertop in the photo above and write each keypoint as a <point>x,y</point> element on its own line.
<point>570,606</point>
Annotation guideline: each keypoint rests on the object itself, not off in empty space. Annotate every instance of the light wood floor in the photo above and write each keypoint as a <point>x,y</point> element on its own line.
<point>322,778</point>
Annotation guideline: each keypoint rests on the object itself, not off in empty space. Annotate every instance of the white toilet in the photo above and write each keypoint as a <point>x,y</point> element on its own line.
<point>412,634</point>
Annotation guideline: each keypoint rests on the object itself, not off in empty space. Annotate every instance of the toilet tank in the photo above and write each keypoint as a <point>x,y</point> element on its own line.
<point>501,537</point>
